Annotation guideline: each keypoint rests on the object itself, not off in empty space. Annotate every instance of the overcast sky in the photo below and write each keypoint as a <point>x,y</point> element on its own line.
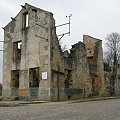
<point>96,18</point>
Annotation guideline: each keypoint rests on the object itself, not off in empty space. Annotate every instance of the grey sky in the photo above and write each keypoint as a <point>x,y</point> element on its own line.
<point>96,18</point>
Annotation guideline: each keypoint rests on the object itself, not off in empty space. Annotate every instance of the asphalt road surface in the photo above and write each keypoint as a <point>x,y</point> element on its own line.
<point>93,110</point>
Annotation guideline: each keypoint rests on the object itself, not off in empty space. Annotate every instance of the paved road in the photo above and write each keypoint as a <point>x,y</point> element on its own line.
<point>94,110</point>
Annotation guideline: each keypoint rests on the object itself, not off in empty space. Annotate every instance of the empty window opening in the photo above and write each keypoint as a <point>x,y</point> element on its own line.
<point>19,45</point>
<point>34,77</point>
<point>14,78</point>
<point>17,50</point>
<point>25,20</point>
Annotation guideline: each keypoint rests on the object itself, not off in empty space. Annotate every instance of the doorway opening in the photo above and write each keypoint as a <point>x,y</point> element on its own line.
<point>34,77</point>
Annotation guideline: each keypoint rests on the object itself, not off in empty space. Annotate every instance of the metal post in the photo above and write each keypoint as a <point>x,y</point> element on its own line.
<point>69,22</point>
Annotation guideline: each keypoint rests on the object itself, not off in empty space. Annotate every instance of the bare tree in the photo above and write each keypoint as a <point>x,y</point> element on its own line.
<point>107,61</point>
<point>113,55</point>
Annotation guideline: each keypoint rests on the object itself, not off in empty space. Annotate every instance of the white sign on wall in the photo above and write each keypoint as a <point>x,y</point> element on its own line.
<point>44,75</point>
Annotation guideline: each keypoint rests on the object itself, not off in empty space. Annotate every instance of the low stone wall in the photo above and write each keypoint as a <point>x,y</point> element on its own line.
<point>73,93</point>
<point>66,94</point>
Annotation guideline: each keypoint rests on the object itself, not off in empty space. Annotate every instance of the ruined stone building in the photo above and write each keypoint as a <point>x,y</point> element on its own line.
<point>33,64</point>
<point>87,70</point>
<point>35,67</point>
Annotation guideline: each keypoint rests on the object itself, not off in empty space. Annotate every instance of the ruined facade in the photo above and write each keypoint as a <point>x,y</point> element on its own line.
<point>78,74</point>
<point>86,69</point>
<point>27,54</point>
<point>35,67</point>
<point>95,58</point>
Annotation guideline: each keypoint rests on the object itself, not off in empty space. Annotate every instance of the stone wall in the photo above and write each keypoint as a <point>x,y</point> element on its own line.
<point>57,67</point>
<point>79,75</point>
<point>95,58</point>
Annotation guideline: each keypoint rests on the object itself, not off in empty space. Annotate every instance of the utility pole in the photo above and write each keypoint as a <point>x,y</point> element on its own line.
<point>69,23</point>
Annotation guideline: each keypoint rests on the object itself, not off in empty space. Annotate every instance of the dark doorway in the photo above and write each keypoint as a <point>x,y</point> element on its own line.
<point>15,78</point>
<point>34,83</point>
<point>34,77</point>
<point>14,82</point>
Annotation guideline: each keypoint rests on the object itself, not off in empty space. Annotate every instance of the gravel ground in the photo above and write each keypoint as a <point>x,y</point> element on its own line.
<point>93,110</point>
